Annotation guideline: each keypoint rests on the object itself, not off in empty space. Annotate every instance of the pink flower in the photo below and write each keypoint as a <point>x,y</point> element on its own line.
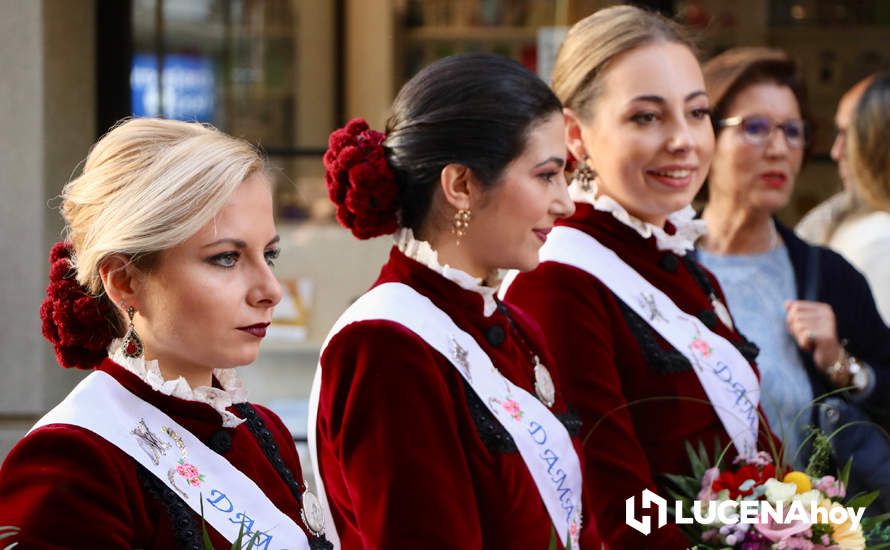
<point>781,531</point>
<point>701,346</point>
<point>794,543</point>
<point>711,474</point>
<point>187,471</point>
<point>512,408</point>
<point>831,487</point>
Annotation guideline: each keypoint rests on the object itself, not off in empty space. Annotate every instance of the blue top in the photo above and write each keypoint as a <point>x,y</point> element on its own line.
<point>756,288</point>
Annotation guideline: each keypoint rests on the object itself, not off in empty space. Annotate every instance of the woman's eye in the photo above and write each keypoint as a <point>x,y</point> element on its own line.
<point>644,118</point>
<point>548,176</point>
<point>226,259</point>
<point>701,113</point>
<point>272,255</point>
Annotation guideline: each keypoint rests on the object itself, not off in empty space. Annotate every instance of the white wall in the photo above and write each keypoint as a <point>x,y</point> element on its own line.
<point>46,126</point>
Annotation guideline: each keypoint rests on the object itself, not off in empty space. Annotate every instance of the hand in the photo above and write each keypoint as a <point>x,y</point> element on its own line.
<point>813,327</point>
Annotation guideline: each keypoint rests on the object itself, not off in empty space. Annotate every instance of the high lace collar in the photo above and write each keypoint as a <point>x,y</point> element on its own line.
<point>423,253</point>
<point>232,391</point>
<point>688,229</point>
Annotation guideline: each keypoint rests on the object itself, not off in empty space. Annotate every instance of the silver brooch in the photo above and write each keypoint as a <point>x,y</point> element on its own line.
<point>460,356</point>
<point>721,311</point>
<point>149,442</point>
<point>544,388</point>
<point>312,513</point>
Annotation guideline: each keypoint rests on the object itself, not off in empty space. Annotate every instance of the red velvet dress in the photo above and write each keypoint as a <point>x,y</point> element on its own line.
<point>610,360</point>
<point>410,456</point>
<point>66,487</point>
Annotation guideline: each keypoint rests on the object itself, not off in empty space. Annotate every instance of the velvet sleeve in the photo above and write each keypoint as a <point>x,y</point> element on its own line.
<point>66,488</point>
<point>396,467</point>
<point>573,310</point>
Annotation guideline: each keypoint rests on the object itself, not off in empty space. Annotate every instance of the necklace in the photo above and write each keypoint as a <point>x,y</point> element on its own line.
<point>544,388</point>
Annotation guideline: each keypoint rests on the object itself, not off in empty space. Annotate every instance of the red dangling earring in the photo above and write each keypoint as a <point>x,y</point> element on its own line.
<point>132,345</point>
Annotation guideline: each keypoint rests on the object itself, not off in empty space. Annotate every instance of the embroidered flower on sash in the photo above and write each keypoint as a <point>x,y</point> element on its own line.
<point>190,473</point>
<point>701,347</point>
<point>513,409</point>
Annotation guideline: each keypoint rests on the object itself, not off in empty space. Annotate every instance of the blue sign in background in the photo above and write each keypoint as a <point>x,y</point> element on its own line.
<point>189,87</point>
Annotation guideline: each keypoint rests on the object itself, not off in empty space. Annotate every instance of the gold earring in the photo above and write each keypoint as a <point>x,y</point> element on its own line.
<point>584,175</point>
<point>460,223</point>
<point>132,344</point>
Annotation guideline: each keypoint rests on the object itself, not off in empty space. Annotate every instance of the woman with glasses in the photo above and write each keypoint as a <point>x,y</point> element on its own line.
<point>811,314</point>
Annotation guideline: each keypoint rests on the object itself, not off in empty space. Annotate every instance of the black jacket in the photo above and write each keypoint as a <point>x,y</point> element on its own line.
<point>823,275</point>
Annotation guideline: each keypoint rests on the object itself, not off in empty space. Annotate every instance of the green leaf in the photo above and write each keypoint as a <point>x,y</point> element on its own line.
<point>552,545</point>
<point>878,546</point>
<point>844,474</point>
<point>688,486</point>
<point>237,544</point>
<point>698,466</point>
<point>205,536</point>
<point>863,501</point>
<point>871,522</point>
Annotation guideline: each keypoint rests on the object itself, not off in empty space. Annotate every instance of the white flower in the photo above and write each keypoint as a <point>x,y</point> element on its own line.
<point>776,491</point>
<point>810,496</point>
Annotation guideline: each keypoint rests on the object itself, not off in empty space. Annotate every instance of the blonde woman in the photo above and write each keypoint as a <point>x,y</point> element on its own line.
<point>864,237</point>
<point>642,337</point>
<point>161,288</point>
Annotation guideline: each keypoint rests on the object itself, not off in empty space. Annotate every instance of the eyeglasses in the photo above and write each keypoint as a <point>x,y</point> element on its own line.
<point>758,129</point>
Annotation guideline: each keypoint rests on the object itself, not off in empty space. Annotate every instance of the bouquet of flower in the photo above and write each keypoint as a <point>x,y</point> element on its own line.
<point>757,504</point>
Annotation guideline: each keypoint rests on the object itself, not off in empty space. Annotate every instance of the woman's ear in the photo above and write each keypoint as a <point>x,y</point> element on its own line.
<point>122,280</point>
<point>455,182</point>
<point>574,138</point>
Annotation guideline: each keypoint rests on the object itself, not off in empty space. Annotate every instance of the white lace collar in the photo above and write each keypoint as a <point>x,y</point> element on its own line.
<point>422,252</point>
<point>688,229</point>
<point>220,399</point>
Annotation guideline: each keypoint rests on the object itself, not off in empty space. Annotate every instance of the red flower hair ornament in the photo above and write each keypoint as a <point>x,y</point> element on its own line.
<point>360,181</point>
<point>74,321</point>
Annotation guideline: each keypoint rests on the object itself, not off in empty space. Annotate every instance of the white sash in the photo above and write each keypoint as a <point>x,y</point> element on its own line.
<point>542,440</point>
<point>185,465</point>
<point>726,376</point>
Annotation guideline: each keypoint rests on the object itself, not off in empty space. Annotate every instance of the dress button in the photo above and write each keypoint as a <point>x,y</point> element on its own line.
<point>220,442</point>
<point>495,335</point>
<point>669,262</point>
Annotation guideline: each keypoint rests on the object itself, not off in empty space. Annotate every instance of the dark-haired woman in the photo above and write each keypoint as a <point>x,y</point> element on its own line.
<point>438,422</point>
<point>163,286</point>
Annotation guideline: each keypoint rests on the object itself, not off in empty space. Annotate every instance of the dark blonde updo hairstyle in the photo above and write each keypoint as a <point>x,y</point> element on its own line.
<point>868,144</point>
<point>594,42</point>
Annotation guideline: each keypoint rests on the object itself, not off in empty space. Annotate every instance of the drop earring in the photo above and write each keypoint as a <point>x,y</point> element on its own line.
<point>460,223</point>
<point>132,344</point>
<point>584,175</point>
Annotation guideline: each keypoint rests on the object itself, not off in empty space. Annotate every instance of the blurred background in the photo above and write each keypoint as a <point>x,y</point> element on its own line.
<point>283,74</point>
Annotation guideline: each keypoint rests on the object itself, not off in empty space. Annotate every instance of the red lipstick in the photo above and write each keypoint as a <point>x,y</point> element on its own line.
<point>258,330</point>
<point>542,233</point>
